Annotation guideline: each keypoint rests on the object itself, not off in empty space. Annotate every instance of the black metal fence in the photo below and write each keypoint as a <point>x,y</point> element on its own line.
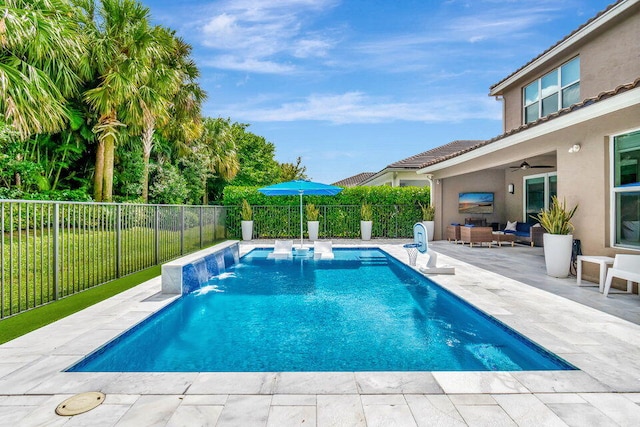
<point>54,249</point>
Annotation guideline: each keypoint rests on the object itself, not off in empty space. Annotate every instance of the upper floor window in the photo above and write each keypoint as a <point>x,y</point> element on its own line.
<point>555,90</point>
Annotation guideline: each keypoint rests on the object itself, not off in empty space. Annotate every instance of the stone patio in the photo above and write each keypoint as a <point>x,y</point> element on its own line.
<point>599,335</point>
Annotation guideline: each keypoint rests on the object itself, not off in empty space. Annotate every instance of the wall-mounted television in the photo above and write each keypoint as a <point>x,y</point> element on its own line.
<point>475,203</point>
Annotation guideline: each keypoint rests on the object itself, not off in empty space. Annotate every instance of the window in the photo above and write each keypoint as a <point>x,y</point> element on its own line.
<point>626,190</point>
<point>555,90</point>
<point>538,192</point>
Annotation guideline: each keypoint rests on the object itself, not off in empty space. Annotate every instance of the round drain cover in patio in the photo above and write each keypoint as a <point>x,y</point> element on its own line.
<point>80,403</point>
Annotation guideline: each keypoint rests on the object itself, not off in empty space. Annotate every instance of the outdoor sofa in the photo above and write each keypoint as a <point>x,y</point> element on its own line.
<point>527,233</point>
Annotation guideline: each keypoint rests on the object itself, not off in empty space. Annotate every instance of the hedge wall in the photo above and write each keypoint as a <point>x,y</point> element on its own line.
<point>233,195</point>
<point>395,210</point>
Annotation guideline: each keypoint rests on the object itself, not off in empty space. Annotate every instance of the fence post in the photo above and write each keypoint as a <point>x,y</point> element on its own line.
<point>157,236</point>
<point>56,249</point>
<point>118,240</point>
<point>201,241</point>
<point>181,230</point>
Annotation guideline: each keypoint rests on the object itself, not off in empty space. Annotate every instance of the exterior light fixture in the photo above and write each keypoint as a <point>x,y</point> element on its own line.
<point>511,188</point>
<point>574,148</point>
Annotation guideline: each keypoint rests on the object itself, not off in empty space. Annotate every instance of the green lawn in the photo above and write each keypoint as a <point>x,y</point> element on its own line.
<point>33,319</point>
<point>87,258</point>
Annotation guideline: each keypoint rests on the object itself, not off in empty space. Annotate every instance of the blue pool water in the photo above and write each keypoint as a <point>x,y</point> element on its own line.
<point>363,311</point>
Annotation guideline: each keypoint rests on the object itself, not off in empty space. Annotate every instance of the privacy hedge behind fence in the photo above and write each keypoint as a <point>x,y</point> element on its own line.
<point>395,210</point>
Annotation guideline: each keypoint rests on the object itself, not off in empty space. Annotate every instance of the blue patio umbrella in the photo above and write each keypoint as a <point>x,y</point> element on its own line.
<point>300,187</point>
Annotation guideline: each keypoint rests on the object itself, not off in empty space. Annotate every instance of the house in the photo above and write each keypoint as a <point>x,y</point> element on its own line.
<point>571,120</point>
<point>355,180</point>
<point>403,172</point>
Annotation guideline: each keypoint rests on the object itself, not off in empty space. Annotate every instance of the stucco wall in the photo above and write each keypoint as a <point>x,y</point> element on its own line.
<point>583,177</point>
<point>608,58</point>
<point>394,178</point>
<point>447,191</point>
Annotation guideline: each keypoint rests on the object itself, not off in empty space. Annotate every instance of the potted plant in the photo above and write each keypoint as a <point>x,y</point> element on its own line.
<point>558,240</point>
<point>312,221</point>
<point>428,214</point>
<point>366,221</point>
<point>247,220</point>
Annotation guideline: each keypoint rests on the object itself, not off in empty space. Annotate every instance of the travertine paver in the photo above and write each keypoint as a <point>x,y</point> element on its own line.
<point>528,410</point>
<point>605,391</point>
<point>434,410</point>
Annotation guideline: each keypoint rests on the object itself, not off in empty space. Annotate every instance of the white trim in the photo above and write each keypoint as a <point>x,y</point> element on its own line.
<point>584,114</point>
<point>612,192</point>
<point>569,43</point>
<point>546,176</point>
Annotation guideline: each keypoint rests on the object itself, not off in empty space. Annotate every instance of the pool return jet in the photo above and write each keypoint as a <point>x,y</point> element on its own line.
<point>421,243</point>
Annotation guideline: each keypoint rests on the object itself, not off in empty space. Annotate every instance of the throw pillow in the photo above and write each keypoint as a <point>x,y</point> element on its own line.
<point>511,226</point>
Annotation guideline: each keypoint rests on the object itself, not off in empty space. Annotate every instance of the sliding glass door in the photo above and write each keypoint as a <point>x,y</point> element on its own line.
<point>538,191</point>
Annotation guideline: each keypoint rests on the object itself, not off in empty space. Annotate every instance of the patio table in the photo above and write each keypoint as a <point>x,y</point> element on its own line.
<point>500,237</point>
<point>603,261</point>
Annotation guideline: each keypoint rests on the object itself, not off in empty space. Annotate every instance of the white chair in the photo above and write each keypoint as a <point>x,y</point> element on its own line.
<point>322,250</point>
<point>432,268</point>
<point>626,267</point>
<point>282,249</point>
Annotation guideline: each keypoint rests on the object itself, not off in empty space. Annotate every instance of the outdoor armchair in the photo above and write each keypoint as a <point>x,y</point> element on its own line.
<point>626,267</point>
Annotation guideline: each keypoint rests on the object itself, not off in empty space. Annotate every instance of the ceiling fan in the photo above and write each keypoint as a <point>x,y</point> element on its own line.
<point>524,166</point>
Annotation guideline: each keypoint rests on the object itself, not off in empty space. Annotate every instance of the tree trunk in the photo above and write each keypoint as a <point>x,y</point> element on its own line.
<point>107,182</point>
<point>99,172</point>
<point>147,145</point>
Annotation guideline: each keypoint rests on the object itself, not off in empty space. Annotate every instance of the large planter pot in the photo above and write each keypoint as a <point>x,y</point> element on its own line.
<point>557,253</point>
<point>365,229</point>
<point>247,230</point>
<point>431,228</point>
<point>313,226</point>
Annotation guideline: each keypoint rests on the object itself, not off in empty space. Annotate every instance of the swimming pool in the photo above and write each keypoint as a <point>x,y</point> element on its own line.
<point>362,311</point>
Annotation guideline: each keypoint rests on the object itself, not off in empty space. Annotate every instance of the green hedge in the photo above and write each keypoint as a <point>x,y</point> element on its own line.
<point>395,210</point>
<point>233,195</point>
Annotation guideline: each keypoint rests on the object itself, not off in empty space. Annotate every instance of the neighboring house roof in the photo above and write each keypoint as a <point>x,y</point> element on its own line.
<point>563,112</point>
<point>418,160</point>
<point>355,180</point>
<point>567,37</point>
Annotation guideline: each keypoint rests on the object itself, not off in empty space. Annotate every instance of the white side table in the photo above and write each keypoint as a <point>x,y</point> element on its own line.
<point>603,261</point>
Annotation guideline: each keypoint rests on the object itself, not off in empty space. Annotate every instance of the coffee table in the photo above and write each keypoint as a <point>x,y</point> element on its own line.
<point>500,237</point>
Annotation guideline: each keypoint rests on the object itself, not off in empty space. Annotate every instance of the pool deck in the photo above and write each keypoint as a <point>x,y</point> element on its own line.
<point>599,335</point>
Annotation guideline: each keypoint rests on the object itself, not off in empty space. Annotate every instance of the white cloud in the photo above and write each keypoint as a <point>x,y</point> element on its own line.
<point>356,107</point>
<point>252,33</point>
<point>254,65</point>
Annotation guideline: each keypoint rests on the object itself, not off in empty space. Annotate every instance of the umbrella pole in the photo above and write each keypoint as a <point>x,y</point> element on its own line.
<point>301,233</point>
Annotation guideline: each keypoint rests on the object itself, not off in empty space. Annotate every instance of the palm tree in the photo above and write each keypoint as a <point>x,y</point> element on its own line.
<point>43,62</point>
<point>185,123</point>
<point>217,148</point>
<point>152,107</point>
<point>122,53</point>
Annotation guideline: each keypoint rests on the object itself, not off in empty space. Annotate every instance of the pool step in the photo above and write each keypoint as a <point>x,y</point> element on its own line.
<point>373,260</point>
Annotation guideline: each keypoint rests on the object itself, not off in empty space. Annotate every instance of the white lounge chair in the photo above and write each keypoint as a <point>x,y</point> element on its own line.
<point>322,250</point>
<point>626,267</point>
<point>432,268</point>
<point>282,249</point>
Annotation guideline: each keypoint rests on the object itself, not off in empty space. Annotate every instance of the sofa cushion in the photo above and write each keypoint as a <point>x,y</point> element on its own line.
<point>511,226</point>
<point>523,227</point>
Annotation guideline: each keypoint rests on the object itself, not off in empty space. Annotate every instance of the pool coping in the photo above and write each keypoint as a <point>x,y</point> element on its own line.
<point>603,347</point>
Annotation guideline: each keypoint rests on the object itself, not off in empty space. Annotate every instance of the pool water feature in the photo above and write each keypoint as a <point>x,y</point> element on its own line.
<point>362,311</point>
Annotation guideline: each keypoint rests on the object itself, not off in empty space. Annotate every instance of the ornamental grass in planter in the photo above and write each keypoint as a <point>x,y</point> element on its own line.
<point>428,216</point>
<point>558,240</point>
<point>366,221</point>
<point>313,213</point>
<point>246,214</point>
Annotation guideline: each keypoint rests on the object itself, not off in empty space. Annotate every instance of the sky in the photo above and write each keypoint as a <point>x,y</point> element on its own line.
<point>351,86</point>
